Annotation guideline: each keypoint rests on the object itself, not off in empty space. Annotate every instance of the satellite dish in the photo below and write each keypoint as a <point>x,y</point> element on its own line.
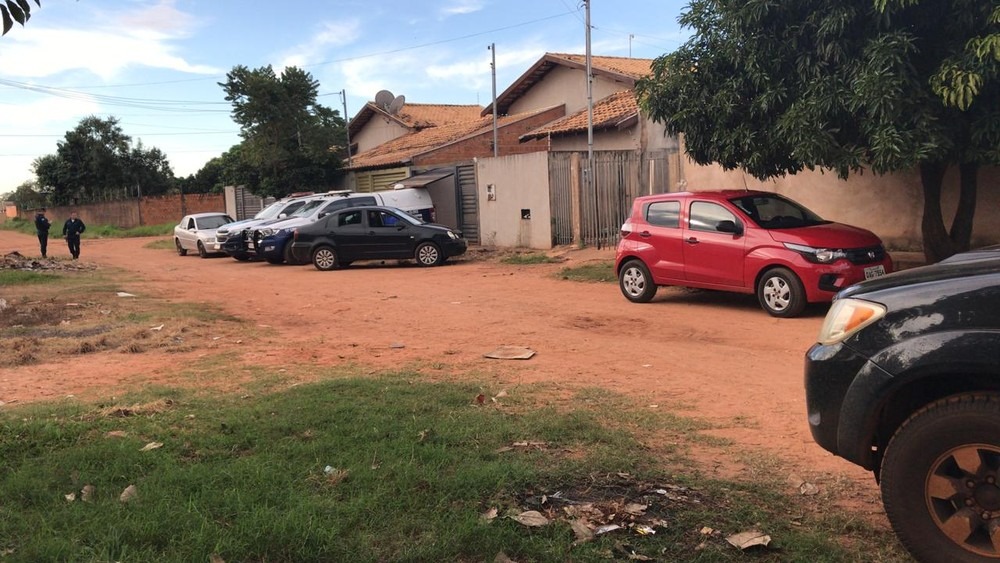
<point>396,105</point>
<point>383,99</point>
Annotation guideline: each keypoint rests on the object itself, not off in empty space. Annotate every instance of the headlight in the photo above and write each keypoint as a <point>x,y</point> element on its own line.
<point>821,255</point>
<point>210,239</point>
<point>846,317</point>
<point>452,235</point>
<point>266,232</point>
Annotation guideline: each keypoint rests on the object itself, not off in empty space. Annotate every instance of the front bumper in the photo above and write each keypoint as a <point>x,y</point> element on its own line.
<point>454,247</point>
<point>829,373</point>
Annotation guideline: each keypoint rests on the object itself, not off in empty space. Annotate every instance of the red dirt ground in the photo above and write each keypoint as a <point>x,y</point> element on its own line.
<point>714,356</point>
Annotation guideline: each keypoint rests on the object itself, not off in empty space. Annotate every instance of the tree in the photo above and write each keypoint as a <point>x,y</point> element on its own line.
<point>96,160</point>
<point>15,10</point>
<point>287,135</point>
<point>778,87</point>
<point>26,196</point>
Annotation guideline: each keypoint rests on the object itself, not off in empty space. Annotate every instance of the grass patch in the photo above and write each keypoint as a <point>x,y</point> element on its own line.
<point>387,468</point>
<point>93,231</point>
<point>528,258</point>
<point>162,244</point>
<point>595,271</point>
<point>26,277</point>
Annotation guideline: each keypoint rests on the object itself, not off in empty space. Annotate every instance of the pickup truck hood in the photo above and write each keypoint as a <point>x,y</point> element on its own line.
<point>235,225</point>
<point>827,235</point>
<point>963,267</point>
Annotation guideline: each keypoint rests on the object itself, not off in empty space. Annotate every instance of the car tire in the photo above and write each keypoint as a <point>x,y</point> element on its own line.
<point>181,251</point>
<point>635,282</point>
<point>939,480</point>
<point>780,293</point>
<point>201,250</point>
<point>428,254</point>
<point>324,258</point>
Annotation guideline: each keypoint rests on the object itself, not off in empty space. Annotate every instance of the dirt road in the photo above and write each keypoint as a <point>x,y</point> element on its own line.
<point>709,355</point>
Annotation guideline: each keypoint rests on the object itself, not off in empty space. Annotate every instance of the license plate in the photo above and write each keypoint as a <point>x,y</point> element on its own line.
<point>874,272</point>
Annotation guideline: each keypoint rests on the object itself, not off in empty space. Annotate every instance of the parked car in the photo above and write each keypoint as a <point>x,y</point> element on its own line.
<point>197,232</point>
<point>746,242</point>
<point>905,381</point>
<point>271,239</point>
<point>374,233</point>
<point>234,237</point>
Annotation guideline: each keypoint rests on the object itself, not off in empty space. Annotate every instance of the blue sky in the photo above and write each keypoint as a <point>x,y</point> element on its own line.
<point>155,64</point>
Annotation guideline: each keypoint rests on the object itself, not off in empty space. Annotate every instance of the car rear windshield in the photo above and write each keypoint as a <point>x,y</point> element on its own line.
<point>213,222</point>
<point>776,212</point>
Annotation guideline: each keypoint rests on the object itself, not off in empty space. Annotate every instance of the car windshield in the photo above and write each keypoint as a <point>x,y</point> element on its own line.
<point>213,222</point>
<point>308,208</point>
<point>776,212</point>
<point>406,216</point>
<point>271,211</point>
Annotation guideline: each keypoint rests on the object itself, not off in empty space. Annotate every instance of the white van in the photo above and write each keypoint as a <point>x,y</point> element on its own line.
<point>415,201</point>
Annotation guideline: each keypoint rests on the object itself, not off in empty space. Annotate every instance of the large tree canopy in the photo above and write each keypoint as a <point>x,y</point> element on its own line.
<point>777,87</point>
<point>287,135</point>
<point>97,161</point>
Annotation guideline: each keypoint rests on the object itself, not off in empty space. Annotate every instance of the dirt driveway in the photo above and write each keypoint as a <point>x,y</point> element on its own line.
<point>714,356</point>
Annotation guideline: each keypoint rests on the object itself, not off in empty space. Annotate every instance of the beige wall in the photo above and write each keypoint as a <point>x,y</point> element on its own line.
<point>643,135</point>
<point>378,130</point>
<point>564,85</point>
<point>890,206</point>
<point>520,182</point>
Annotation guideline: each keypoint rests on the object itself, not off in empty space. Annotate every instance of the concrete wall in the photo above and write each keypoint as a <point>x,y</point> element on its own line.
<point>132,213</point>
<point>891,206</point>
<point>563,85</point>
<point>376,131</point>
<point>519,182</point>
<point>614,140</point>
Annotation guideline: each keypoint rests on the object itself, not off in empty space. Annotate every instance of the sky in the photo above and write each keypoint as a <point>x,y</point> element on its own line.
<point>155,65</point>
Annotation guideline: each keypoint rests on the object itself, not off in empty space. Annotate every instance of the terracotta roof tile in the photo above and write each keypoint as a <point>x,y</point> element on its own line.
<point>635,68</point>
<point>608,113</point>
<point>401,150</point>
<point>419,116</point>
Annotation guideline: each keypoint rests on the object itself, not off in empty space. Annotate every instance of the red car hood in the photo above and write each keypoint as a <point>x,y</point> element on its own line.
<point>828,235</point>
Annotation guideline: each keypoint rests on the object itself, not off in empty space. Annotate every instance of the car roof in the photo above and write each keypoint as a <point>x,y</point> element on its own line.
<point>711,194</point>
<point>207,214</point>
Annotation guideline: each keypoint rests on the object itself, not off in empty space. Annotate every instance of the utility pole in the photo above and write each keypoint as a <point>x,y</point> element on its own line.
<point>589,174</point>
<point>631,36</point>
<point>347,125</point>
<point>493,68</point>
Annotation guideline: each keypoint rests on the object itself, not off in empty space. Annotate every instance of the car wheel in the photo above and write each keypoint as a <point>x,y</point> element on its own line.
<point>939,480</point>
<point>781,293</point>
<point>180,249</point>
<point>428,254</point>
<point>636,282</point>
<point>201,250</point>
<point>324,258</point>
<point>241,257</point>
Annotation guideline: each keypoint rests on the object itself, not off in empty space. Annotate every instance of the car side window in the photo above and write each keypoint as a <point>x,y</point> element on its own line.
<point>190,223</point>
<point>664,214</point>
<point>379,218</point>
<point>705,216</point>
<point>349,218</point>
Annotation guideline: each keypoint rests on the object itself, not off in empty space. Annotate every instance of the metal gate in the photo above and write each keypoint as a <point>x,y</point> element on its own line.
<point>468,204</point>
<point>619,177</point>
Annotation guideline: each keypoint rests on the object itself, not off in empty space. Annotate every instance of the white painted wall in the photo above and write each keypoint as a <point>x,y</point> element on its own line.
<point>376,131</point>
<point>520,182</point>
<point>564,85</point>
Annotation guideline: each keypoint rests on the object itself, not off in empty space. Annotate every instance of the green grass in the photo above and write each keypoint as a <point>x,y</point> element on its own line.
<point>529,258</point>
<point>412,467</point>
<point>163,244</point>
<point>26,277</point>
<point>596,271</point>
<point>93,231</point>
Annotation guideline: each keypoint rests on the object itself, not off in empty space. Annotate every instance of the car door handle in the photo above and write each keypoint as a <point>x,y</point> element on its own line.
<point>692,240</point>
<point>645,234</point>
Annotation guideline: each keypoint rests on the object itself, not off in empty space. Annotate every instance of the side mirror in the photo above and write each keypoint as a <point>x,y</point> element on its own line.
<point>282,215</point>
<point>728,226</point>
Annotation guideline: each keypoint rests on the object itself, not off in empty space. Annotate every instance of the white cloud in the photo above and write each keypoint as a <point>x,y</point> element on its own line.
<point>331,34</point>
<point>460,7</point>
<point>161,19</point>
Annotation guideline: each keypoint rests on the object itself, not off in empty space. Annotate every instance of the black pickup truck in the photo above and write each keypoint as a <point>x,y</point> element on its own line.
<point>905,381</point>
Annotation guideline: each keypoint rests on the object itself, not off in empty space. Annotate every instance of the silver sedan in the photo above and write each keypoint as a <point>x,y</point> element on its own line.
<point>197,232</point>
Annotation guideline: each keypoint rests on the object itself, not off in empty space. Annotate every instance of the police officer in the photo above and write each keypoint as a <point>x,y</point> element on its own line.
<point>71,231</point>
<point>42,225</point>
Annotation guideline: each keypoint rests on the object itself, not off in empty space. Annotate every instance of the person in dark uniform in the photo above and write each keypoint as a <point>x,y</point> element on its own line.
<point>42,225</point>
<point>71,231</point>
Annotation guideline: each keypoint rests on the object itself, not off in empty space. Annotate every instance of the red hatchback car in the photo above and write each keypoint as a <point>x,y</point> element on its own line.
<point>746,242</point>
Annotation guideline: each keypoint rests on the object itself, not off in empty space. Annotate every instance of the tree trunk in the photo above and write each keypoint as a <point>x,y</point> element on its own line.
<point>961,228</point>
<point>937,242</point>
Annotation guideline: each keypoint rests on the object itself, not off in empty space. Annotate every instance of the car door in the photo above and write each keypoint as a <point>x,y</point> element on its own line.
<point>389,236</point>
<point>713,254</point>
<point>348,234</point>
<point>664,235</point>
<point>189,234</point>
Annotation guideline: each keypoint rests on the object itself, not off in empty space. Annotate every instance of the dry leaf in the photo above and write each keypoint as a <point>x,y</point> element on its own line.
<point>70,497</point>
<point>151,446</point>
<point>638,557</point>
<point>808,489</point>
<point>215,558</point>
<point>116,434</point>
<point>490,514</point>
<point>635,509</point>
<point>532,518</point>
<point>87,493</point>
<point>706,531</point>
<point>502,558</point>
<point>582,530</point>
<point>6,552</point>
<point>500,395</point>
<point>129,493</point>
<point>750,538</point>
